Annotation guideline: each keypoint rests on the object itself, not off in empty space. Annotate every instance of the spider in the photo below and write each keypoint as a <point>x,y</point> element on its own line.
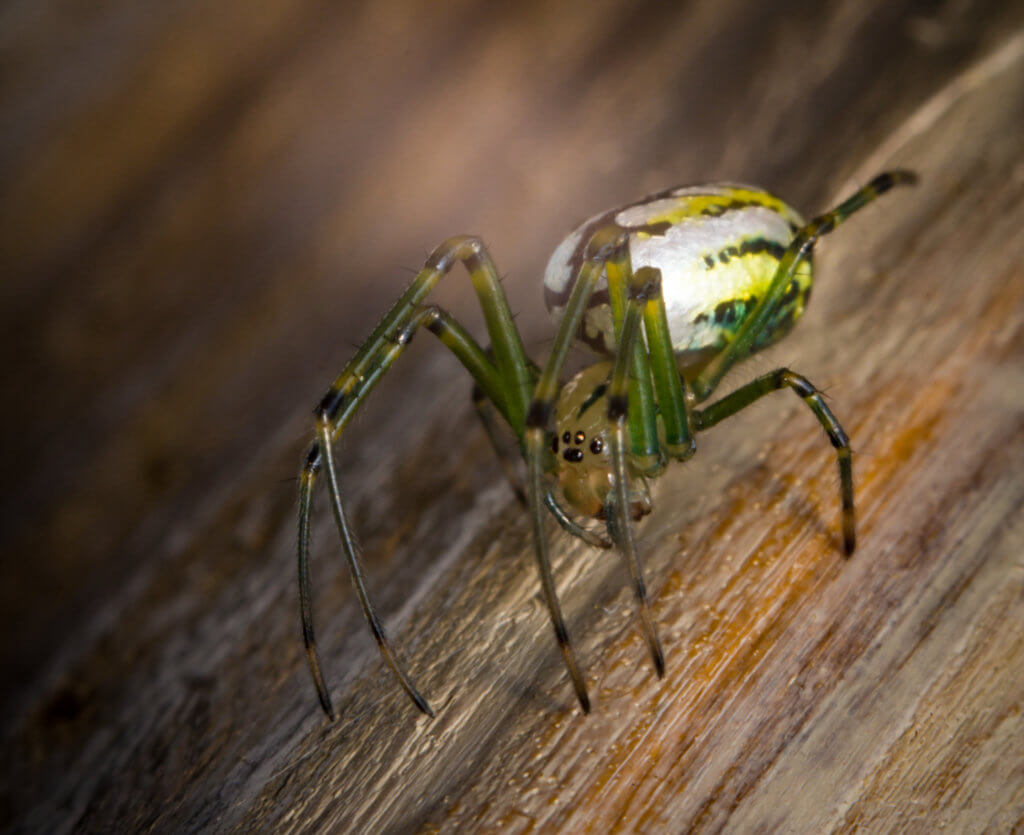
<point>672,291</point>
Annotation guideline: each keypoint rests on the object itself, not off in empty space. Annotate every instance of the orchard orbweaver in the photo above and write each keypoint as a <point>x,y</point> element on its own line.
<point>673,290</point>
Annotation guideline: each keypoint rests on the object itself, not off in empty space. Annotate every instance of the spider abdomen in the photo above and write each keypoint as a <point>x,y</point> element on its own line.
<point>717,247</point>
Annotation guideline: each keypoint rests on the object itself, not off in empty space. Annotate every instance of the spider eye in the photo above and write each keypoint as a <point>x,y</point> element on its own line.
<point>596,446</point>
<point>566,437</point>
<point>580,437</point>
<point>554,443</point>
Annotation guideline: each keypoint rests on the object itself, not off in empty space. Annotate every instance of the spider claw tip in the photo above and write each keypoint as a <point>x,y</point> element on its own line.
<point>659,665</point>
<point>423,705</point>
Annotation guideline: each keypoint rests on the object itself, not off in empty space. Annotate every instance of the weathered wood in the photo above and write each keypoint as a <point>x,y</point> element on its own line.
<point>197,227</point>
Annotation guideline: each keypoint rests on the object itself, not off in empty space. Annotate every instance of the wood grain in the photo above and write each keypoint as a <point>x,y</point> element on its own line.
<point>204,209</point>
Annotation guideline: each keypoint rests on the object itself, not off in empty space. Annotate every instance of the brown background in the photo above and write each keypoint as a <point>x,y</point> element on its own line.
<point>206,205</point>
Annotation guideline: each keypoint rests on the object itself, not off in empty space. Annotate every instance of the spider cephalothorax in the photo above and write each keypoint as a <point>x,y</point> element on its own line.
<point>581,447</point>
<point>674,290</point>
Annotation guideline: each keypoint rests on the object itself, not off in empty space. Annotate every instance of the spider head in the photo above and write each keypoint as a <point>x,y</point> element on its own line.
<point>580,446</point>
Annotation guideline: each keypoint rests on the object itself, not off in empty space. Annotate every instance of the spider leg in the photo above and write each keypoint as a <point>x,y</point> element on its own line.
<point>646,450</point>
<point>485,411</point>
<point>571,526</point>
<point>643,285</point>
<point>333,414</point>
<point>363,370</point>
<point>805,390</point>
<point>605,244</point>
<point>355,568</point>
<point>668,383</point>
<point>307,480</point>
<point>798,250</point>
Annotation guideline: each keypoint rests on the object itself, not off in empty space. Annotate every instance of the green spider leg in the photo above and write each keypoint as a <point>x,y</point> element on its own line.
<point>669,385</point>
<point>605,245</point>
<point>798,250</point>
<point>506,381</point>
<point>643,284</point>
<point>644,299</point>
<point>806,391</point>
<point>632,409</point>
<point>646,451</point>
<point>485,410</point>
<point>667,400</point>
<point>739,348</point>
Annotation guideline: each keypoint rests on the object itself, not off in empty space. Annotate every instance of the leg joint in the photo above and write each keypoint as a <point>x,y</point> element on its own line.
<point>888,179</point>
<point>606,243</point>
<point>822,226</point>
<point>561,633</point>
<point>838,437</point>
<point>331,404</point>
<point>798,382</point>
<point>618,406</point>
<point>646,284</point>
<point>539,414</point>
<point>467,248</point>
<point>403,336</point>
<point>312,462</point>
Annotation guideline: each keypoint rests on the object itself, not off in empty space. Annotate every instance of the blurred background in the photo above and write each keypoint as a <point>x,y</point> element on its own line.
<point>206,204</point>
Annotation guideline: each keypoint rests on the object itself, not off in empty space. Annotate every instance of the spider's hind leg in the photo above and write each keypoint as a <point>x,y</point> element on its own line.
<point>798,250</point>
<point>805,390</point>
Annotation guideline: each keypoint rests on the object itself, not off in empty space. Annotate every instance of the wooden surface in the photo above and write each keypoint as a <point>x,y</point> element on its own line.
<point>204,208</point>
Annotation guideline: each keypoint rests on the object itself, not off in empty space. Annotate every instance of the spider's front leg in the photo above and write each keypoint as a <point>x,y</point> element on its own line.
<point>607,251</point>
<point>320,455</point>
<point>506,381</point>
<point>643,286</point>
<point>604,246</point>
